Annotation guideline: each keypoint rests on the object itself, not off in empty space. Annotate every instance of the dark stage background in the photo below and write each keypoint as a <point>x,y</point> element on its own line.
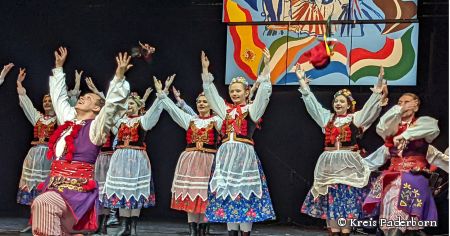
<point>94,31</point>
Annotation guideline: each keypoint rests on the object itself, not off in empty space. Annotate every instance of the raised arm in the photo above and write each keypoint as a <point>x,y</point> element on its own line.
<point>388,124</point>
<point>178,115</point>
<point>151,117</point>
<point>93,88</point>
<point>147,93</point>
<point>372,108</point>
<point>262,98</point>
<point>31,113</point>
<point>319,114</point>
<point>5,71</point>
<point>75,92</point>
<point>58,88</point>
<point>214,100</point>
<point>181,103</point>
<point>115,102</point>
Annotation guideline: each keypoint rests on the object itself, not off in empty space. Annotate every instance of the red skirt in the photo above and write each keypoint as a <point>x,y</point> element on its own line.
<point>198,206</point>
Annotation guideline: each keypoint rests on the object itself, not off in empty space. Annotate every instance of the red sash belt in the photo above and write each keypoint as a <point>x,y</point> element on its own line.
<point>77,176</point>
<point>416,163</point>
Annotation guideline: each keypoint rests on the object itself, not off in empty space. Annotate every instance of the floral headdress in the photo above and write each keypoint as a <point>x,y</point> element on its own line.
<point>241,80</point>
<point>137,99</point>
<point>348,95</point>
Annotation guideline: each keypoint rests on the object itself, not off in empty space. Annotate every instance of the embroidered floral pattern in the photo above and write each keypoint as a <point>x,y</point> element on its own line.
<point>341,201</point>
<point>241,210</point>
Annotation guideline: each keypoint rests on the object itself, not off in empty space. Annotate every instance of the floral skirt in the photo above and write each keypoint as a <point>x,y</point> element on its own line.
<point>341,201</point>
<point>240,209</point>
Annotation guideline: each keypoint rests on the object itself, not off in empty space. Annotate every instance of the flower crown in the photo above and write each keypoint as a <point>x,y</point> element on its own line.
<point>239,79</point>
<point>135,96</point>
<point>347,94</point>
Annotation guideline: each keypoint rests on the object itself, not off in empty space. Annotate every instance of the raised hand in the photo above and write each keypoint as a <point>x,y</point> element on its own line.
<point>21,76</point>
<point>147,93</point>
<point>169,82</point>
<point>176,93</point>
<point>266,58</point>
<point>302,80</point>
<point>147,47</point>
<point>266,54</point>
<point>60,57</point>
<point>77,79</point>
<point>158,85</point>
<point>123,64</point>
<point>5,70</point>
<point>381,74</point>
<point>205,62</point>
<point>91,85</point>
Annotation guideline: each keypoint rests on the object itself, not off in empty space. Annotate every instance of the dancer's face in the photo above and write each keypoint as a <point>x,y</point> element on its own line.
<point>89,102</point>
<point>133,108</point>
<point>410,102</point>
<point>238,93</point>
<point>340,105</point>
<point>47,104</point>
<point>203,106</point>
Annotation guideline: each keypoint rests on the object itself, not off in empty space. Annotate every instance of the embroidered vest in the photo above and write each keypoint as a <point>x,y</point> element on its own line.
<point>131,136</point>
<point>42,132</point>
<point>202,139</point>
<point>242,128</point>
<point>345,136</point>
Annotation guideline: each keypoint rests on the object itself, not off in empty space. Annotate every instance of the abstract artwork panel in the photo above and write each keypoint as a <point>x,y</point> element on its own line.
<point>312,11</point>
<point>382,9</point>
<point>396,52</point>
<point>245,45</point>
<point>282,10</point>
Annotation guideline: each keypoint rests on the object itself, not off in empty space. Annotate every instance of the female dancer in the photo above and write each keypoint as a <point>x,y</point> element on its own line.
<point>238,194</point>
<point>190,183</point>
<point>36,166</point>
<point>339,175</point>
<point>402,191</point>
<point>129,184</point>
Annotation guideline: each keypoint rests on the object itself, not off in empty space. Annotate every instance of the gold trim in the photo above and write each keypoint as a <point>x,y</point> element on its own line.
<point>202,149</point>
<point>130,147</point>
<point>347,148</point>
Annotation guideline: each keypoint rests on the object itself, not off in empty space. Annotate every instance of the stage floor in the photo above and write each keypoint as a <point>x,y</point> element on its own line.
<point>12,226</point>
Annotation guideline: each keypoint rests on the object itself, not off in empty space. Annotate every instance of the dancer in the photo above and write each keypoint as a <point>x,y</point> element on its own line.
<point>68,201</point>
<point>339,175</point>
<point>238,194</point>
<point>36,166</point>
<point>193,170</point>
<point>5,71</point>
<point>129,181</point>
<point>402,191</point>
